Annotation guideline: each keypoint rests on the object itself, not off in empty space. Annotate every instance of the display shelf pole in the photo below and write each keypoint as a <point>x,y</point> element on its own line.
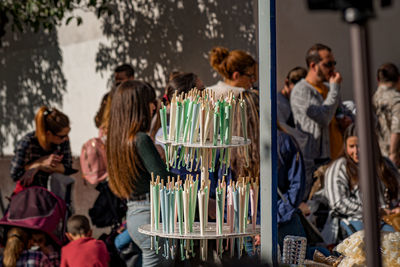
<point>267,90</point>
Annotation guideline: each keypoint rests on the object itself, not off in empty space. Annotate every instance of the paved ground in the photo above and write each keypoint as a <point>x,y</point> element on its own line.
<point>84,195</point>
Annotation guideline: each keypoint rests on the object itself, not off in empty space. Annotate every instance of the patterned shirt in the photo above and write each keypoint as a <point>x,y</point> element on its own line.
<point>28,150</point>
<point>29,258</point>
<point>386,102</point>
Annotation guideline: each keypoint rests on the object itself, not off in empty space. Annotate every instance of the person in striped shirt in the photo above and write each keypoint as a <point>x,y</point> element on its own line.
<point>343,192</point>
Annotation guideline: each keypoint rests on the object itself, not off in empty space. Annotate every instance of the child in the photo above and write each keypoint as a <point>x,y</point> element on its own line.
<point>40,242</point>
<point>16,252</point>
<point>83,250</point>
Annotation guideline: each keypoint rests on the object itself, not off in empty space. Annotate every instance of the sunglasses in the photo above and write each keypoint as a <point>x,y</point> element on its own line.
<point>61,136</point>
<point>250,75</point>
<point>329,64</point>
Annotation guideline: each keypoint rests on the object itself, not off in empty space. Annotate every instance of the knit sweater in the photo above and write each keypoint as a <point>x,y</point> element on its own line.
<point>312,115</point>
<point>150,162</point>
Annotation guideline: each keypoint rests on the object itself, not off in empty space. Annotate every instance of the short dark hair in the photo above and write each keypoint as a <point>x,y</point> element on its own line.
<point>388,72</point>
<point>127,68</point>
<point>78,225</point>
<point>313,55</point>
<point>181,83</point>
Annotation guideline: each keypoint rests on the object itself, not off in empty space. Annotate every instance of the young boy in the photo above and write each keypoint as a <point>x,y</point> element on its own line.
<point>83,250</point>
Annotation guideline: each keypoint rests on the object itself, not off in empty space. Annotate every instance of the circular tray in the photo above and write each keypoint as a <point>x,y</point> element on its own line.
<point>209,232</point>
<point>237,141</point>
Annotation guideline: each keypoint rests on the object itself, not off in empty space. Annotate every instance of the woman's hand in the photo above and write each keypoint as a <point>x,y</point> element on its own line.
<point>46,163</point>
<point>395,210</point>
<point>305,209</point>
<point>51,160</point>
<point>257,240</point>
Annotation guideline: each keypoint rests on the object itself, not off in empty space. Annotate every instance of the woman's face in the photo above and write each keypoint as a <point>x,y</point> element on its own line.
<point>246,79</point>
<point>352,148</point>
<point>59,137</point>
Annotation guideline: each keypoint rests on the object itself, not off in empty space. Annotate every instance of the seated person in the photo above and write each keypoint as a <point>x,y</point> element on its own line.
<point>40,242</point>
<point>83,250</point>
<point>16,252</point>
<point>44,151</point>
<point>343,192</point>
<point>291,186</point>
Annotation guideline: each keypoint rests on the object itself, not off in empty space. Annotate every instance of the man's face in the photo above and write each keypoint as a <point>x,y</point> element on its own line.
<point>120,77</point>
<point>326,67</point>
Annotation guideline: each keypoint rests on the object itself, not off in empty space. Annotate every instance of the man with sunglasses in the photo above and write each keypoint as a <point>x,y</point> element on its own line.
<point>314,102</point>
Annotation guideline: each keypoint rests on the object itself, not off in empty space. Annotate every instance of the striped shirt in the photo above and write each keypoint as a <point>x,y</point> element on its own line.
<point>343,200</point>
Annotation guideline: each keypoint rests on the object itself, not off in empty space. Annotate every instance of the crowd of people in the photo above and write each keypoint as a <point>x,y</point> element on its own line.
<point>316,135</point>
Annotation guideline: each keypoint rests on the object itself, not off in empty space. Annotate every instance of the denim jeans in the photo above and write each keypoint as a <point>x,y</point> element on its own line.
<point>122,240</point>
<point>138,214</point>
<point>358,225</point>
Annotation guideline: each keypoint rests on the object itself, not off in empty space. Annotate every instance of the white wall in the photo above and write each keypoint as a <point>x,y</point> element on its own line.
<point>78,74</point>
<point>85,87</point>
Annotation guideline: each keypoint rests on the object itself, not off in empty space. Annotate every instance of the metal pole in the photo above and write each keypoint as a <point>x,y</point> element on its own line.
<point>268,174</point>
<point>368,174</point>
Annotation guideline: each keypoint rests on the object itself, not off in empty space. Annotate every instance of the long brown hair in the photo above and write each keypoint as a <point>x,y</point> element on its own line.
<point>385,173</point>
<point>129,114</point>
<point>226,62</point>
<point>51,120</point>
<point>16,244</point>
<point>253,133</point>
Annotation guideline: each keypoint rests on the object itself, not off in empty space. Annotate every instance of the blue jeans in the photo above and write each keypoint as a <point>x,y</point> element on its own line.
<point>138,214</point>
<point>122,240</point>
<point>358,225</point>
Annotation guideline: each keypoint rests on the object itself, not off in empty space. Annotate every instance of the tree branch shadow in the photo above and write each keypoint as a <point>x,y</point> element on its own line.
<point>30,76</point>
<point>158,37</point>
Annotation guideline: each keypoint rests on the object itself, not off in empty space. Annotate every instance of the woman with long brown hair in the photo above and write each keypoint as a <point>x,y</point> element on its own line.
<point>17,253</point>
<point>44,151</point>
<point>132,157</point>
<point>238,164</point>
<point>237,68</point>
<point>341,187</point>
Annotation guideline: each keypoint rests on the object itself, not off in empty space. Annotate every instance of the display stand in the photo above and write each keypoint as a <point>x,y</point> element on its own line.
<point>200,129</point>
<point>209,230</point>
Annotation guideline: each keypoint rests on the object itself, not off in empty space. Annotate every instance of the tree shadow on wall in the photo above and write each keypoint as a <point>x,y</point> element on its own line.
<point>161,36</point>
<point>30,76</point>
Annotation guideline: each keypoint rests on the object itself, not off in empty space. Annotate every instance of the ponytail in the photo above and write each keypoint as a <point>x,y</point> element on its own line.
<point>49,120</point>
<point>227,62</point>
<point>16,242</point>
<point>40,121</point>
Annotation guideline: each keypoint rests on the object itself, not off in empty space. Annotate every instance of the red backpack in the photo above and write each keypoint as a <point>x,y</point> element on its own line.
<point>94,161</point>
<point>39,209</point>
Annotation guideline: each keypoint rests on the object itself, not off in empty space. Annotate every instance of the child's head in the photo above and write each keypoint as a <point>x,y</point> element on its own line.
<point>78,226</point>
<point>38,239</point>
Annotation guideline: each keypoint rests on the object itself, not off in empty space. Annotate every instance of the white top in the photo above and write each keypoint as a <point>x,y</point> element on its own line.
<point>222,88</point>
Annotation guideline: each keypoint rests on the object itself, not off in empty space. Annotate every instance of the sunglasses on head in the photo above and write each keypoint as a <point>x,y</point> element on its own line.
<point>329,64</point>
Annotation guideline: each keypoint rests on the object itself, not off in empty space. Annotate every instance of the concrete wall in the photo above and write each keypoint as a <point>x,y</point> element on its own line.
<point>70,68</point>
<point>298,28</point>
